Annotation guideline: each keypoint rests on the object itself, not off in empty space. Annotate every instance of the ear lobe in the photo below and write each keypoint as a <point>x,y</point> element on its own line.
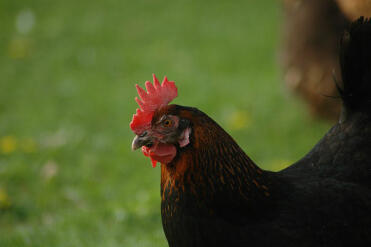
<point>184,137</point>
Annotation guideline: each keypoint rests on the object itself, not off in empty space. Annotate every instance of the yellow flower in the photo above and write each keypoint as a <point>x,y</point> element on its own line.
<point>4,199</point>
<point>8,144</point>
<point>239,120</point>
<point>19,48</point>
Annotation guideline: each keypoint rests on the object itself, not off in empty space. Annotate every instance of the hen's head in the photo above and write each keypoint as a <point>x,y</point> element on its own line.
<point>160,130</point>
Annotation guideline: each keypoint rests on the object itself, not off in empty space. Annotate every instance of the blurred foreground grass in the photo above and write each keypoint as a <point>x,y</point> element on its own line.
<point>67,71</point>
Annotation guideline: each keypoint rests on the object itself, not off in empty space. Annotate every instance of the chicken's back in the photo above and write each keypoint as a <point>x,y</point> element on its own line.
<point>344,154</point>
<point>325,198</point>
<point>329,198</point>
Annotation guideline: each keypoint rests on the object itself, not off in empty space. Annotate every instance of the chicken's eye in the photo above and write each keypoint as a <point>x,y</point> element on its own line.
<point>167,123</point>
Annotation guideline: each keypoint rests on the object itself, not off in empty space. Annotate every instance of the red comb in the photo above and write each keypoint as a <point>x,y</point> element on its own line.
<point>156,96</point>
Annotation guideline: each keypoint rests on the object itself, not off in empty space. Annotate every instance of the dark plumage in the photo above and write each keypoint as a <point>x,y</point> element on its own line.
<point>214,195</point>
<point>355,62</point>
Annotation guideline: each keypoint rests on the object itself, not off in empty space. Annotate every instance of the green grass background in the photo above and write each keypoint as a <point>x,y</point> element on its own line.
<point>67,174</point>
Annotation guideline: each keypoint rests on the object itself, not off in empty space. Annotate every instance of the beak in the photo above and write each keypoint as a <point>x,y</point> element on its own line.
<point>140,141</point>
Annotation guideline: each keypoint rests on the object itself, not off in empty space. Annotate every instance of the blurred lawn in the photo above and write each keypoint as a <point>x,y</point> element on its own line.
<point>67,71</point>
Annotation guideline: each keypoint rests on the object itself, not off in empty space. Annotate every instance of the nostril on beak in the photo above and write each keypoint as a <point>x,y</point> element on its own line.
<point>143,134</point>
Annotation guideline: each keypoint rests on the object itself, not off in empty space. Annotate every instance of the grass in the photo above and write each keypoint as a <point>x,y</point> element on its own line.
<point>68,68</point>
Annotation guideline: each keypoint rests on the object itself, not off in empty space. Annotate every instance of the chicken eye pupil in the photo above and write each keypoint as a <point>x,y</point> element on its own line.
<point>167,123</point>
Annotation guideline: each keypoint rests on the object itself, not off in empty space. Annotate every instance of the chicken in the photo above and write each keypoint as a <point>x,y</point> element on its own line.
<point>213,194</point>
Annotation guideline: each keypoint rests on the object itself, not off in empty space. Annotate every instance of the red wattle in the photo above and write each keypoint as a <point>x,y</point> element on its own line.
<point>154,162</point>
<point>160,152</point>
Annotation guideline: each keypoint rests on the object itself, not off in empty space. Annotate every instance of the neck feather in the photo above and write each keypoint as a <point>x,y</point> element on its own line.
<point>213,169</point>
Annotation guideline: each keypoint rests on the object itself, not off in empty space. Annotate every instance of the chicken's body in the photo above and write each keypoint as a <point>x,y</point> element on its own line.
<point>214,195</point>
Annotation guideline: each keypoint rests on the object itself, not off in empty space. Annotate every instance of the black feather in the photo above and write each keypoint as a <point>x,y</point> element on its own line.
<point>355,62</point>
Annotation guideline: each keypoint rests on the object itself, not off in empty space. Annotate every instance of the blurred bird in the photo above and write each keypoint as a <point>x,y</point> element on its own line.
<point>213,194</point>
